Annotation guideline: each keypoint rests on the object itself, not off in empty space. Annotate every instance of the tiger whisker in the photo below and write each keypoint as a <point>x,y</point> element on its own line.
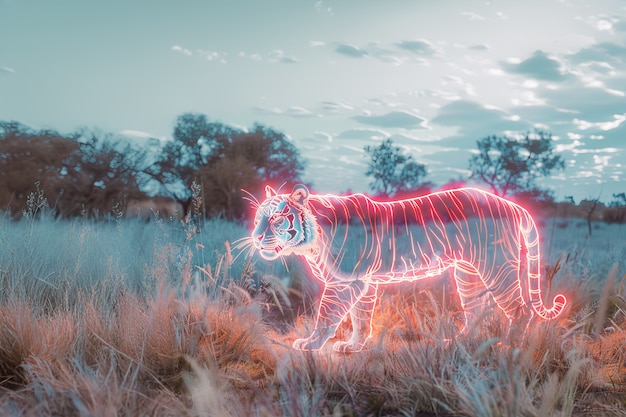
<point>284,262</point>
<point>244,241</point>
<point>245,244</point>
<point>251,198</point>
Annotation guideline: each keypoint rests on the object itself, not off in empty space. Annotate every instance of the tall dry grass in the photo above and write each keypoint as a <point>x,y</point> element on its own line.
<point>125,318</point>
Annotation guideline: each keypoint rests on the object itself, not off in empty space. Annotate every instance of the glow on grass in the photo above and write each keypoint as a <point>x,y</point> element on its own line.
<point>353,244</point>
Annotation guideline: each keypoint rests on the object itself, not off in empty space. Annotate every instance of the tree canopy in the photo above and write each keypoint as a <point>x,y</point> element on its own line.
<point>224,160</point>
<point>513,165</point>
<point>393,172</point>
<point>80,173</point>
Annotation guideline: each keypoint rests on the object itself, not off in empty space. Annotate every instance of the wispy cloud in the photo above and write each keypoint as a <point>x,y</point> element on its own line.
<point>378,51</point>
<point>350,50</point>
<point>267,110</point>
<point>610,125</point>
<point>293,111</point>
<point>479,47</point>
<point>334,107</point>
<point>476,120</point>
<point>394,54</point>
<point>179,49</point>
<point>319,136</point>
<point>419,46</point>
<point>323,8</point>
<point>297,111</point>
<point>275,56</point>
<point>397,119</point>
<point>620,25</point>
<point>372,50</point>
<point>472,16</point>
<point>6,70</point>
<point>213,55</point>
<point>139,134</point>
<point>278,55</point>
<point>364,134</point>
<point>600,52</point>
<point>540,66</point>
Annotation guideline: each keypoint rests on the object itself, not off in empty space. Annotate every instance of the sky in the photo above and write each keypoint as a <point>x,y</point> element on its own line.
<point>435,76</point>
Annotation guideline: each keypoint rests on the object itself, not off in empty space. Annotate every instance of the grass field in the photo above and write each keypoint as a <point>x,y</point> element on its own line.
<point>121,317</point>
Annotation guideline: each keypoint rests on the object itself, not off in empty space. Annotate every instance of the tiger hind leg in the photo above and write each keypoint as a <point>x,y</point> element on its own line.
<point>479,293</point>
<point>473,294</point>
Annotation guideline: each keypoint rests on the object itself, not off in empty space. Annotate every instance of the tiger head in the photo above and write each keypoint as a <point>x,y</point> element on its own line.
<point>284,224</point>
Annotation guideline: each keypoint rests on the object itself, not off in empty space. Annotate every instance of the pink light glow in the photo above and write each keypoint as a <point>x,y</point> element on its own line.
<point>353,244</point>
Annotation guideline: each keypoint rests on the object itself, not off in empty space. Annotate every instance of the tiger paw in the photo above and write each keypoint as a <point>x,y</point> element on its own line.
<point>308,344</point>
<point>351,346</point>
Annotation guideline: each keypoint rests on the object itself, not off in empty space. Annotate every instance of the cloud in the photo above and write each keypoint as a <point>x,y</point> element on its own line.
<point>294,111</point>
<point>179,49</point>
<point>479,47</point>
<point>420,47</point>
<point>603,68</point>
<point>613,124</point>
<point>6,70</point>
<point>449,158</point>
<point>411,139</point>
<point>297,111</point>
<point>467,113</point>
<point>472,16</point>
<point>350,50</point>
<point>215,56</point>
<point>136,134</point>
<point>592,102</point>
<point>363,134</point>
<point>278,55</point>
<point>620,26</point>
<point>399,119</point>
<point>540,66</point>
<point>268,110</point>
<point>334,107</point>
<point>320,7</point>
<point>319,136</point>
<point>378,51</point>
<point>600,52</point>
<point>476,121</point>
<point>141,135</point>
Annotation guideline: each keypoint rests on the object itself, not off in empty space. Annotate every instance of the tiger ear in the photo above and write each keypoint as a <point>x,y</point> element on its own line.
<point>300,194</point>
<point>269,192</point>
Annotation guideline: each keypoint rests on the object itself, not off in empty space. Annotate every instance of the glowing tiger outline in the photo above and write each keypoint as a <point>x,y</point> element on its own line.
<point>290,224</point>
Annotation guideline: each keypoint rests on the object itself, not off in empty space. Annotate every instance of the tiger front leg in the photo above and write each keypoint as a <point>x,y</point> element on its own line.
<point>336,302</point>
<point>361,315</point>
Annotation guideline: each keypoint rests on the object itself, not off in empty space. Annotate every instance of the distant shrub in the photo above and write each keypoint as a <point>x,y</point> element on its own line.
<point>615,215</point>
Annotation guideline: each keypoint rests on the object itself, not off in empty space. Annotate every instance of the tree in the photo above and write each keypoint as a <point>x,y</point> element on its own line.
<point>616,211</point>
<point>223,160</point>
<point>195,140</point>
<point>393,172</point>
<point>249,160</point>
<point>512,166</point>
<point>28,157</point>
<point>589,207</point>
<point>80,173</point>
<point>619,200</point>
<point>108,172</point>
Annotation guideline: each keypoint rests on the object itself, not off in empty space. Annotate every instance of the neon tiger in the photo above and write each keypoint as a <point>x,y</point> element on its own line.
<point>481,236</point>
